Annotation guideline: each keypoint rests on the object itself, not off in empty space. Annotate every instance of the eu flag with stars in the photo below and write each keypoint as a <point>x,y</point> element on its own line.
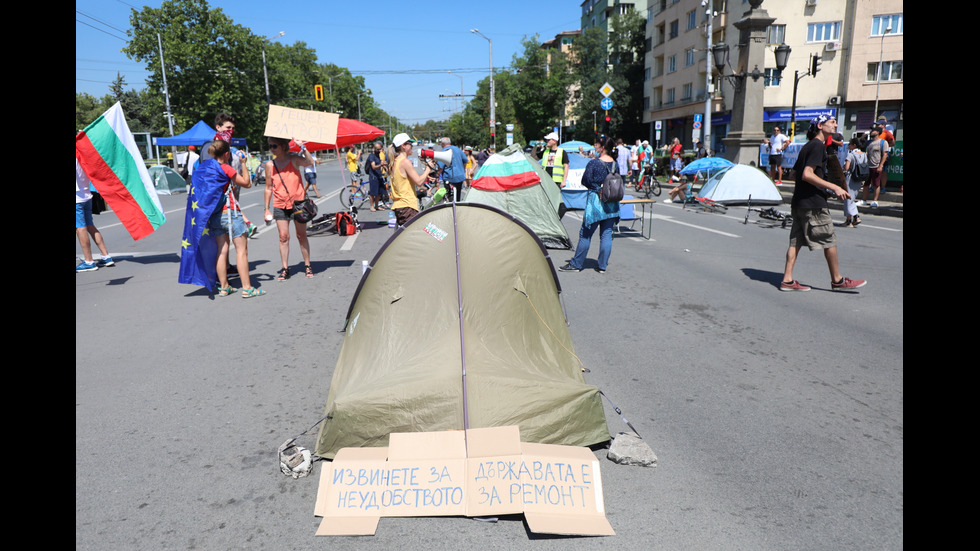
<point>198,250</point>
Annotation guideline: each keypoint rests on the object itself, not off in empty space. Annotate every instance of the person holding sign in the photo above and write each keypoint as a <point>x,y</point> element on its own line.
<point>285,186</point>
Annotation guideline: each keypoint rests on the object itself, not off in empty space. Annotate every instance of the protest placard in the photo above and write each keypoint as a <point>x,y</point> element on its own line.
<point>301,124</point>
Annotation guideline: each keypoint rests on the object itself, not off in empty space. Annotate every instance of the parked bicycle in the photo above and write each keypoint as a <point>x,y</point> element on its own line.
<point>648,184</point>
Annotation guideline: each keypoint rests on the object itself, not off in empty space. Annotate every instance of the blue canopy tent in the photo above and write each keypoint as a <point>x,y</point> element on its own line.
<point>197,135</point>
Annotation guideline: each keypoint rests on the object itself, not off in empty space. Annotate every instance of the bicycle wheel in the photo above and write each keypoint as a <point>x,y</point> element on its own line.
<point>655,188</point>
<point>353,196</point>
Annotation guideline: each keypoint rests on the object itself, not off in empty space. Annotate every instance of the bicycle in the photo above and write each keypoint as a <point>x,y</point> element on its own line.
<point>355,195</point>
<point>710,205</point>
<point>769,214</point>
<point>648,184</point>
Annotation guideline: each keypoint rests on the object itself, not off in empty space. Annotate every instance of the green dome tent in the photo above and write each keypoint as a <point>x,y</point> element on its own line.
<point>515,183</point>
<point>421,319</point>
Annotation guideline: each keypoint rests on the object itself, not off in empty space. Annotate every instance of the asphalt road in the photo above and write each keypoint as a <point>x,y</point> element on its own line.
<point>777,418</point>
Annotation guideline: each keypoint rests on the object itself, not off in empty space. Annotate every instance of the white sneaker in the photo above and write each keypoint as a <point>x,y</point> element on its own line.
<point>874,204</point>
<point>667,200</point>
<point>858,203</point>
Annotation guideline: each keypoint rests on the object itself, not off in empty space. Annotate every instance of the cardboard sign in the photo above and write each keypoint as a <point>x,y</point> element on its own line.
<point>309,126</point>
<point>479,472</point>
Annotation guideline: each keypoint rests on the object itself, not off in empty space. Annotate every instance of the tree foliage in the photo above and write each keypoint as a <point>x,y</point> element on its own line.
<point>615,57</point>
<point>213,65</point>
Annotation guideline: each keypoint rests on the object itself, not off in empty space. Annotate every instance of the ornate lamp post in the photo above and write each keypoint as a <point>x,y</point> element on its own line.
<point>742,143</point>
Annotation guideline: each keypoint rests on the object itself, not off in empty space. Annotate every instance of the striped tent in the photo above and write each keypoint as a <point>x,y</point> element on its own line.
<point>516,184</point>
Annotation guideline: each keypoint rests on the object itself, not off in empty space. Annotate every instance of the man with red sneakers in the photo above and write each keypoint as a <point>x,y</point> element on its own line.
<point>812,224</point>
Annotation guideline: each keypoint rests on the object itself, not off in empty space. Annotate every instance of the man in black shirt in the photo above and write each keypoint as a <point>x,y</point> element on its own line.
<point>812,225</point>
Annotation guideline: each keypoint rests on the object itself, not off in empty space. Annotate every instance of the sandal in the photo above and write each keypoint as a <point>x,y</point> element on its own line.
<point>225,291</point>
<point>252,292</point>
<point>283,274</point>
<point>309,271</point>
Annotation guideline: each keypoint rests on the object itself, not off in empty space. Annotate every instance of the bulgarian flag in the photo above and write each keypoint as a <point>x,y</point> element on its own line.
<point>108,154</point>
<point>505,172</point>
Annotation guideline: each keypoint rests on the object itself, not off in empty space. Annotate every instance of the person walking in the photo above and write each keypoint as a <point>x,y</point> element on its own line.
<point>812,224</point>
<point>598,214</point>
<point>283,172</point>
<point>856,168</point>
<point>85,229</point>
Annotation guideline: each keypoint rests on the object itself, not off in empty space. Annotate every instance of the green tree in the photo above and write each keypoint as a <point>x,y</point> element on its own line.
<point>212,65</point>
<point>539,90</point>
<point>87,109</point>
<point>619,62</point>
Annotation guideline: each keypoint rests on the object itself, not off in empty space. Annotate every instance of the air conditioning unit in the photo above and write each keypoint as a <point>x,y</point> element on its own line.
<point>811,2</point>
<point>833,100</point>
<point>833,46</point>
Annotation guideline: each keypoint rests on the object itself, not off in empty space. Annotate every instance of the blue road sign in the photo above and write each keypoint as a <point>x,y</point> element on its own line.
<point>606,103</point>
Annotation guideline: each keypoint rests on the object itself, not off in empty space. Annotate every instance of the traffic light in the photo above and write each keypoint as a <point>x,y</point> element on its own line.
<point>318,92</point>
<point>815,65</point>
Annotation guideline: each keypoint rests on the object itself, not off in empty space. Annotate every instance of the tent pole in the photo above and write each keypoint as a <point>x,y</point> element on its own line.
<point>459,301</point>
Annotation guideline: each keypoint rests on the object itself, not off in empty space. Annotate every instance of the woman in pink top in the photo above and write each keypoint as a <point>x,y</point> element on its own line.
<point>284,186</point>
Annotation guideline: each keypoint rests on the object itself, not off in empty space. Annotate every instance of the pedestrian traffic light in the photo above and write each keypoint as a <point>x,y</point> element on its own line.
<point>318,92</point>
<point>815,65</point>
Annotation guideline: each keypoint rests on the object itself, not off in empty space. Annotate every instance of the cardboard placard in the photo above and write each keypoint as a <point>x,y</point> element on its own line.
<point>479,472</point>
<point>301,124</point>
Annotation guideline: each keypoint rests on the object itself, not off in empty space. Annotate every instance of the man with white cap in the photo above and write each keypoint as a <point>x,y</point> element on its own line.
<point>554,160</point>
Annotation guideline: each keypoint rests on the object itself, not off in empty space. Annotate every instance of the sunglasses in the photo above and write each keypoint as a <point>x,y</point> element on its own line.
<point>273,146</point>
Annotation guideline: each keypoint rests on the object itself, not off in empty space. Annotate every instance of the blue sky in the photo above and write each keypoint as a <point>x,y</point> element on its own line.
<point>383,41</point>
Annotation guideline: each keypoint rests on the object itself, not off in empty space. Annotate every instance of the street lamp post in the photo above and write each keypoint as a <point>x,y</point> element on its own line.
<point>742,143</point>
<point>265,72</point>
<point>493,109</point>
<point>881,60</point>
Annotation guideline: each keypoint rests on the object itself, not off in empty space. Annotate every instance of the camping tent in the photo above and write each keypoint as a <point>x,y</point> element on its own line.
<point>166,180</point>
<point>733,185</point>
<point>513,182</point>
<point>463,296</point>
<point>197,135</point>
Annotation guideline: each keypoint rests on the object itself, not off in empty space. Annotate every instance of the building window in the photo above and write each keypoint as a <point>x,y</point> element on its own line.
<point>881,22</point>
<point>672,64</point>
<point>890,71</point>
<point>674,26</point>
<point>566,41</point>
<point>686,91</point>
<point>661,34</point>
<point>670,97</point>
<point>823,32</point>
<point>689,57</point>
<point>773,76</point>
<point>692,19</point>
<point>648,44</point>
<point>646,74</point>
<point>776,34</point>
<point>646,103</point>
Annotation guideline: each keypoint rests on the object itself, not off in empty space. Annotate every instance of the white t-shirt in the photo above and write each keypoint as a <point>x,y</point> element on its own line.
<point>776,144</point>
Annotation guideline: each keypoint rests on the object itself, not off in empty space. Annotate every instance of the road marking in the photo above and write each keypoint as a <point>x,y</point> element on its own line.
<point>670,219</point>
<point>349,242</point>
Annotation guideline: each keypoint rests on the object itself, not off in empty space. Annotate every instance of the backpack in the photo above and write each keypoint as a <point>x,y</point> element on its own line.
<point>860,170</point>
<point>612,188</point>
<point>345,224</point>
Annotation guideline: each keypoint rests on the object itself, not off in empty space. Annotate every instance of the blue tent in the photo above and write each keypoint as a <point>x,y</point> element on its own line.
<point>197,135</point>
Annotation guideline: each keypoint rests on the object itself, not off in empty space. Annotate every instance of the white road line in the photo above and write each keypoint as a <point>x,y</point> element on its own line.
<point>670,219</point>
<point>349,242</point>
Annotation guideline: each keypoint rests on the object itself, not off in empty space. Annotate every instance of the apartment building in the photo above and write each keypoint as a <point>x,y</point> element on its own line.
<point>596,13</point>
<point>849,36</point>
